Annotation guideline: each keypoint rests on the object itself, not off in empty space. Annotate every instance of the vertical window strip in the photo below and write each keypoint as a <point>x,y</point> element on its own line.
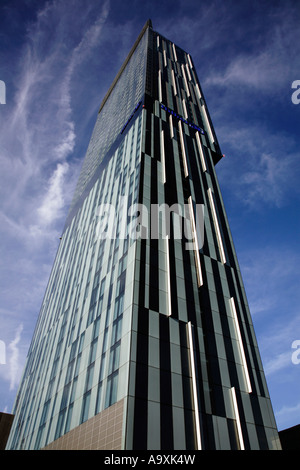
<point>198,91</point>
<point>196,244</point>
<point>237,417</point>
<point>157,42</point>
<point>185,80</point>
<point>216,224</point>
<point>190,61</point>
<point>174,83</point>
<point>163,161</point>
<point>188,72</point>
<point>194,384</point>
<point>168,276</point>
<point>165,58</point>
<point>184,109</point>
<point>211,137</point>
<point>185,166</point>
<point>171,126</point>
<point>240,341</point>
<point>174,52</point>
<point>200,151</point>
<point>159,87</point>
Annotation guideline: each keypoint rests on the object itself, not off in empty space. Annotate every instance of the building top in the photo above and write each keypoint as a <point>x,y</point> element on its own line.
<point>147,25</point>
<point>140,76</point>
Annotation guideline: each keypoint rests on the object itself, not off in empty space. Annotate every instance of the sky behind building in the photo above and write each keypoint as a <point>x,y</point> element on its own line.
<point>57,60</point>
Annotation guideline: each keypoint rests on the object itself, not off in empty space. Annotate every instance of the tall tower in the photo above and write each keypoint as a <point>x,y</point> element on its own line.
<point>144,338</point>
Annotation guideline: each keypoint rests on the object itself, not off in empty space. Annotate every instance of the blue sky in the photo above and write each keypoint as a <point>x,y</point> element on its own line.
<point>58,59</point>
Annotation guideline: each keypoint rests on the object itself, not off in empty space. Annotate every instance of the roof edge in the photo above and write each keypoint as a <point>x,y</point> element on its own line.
<point>147,25</point>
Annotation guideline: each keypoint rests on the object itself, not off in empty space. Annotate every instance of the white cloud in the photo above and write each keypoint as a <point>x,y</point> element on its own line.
<point>249,89</point>
<point>38,132</point>
<point>267,272</point>
<point>66,146</point>
<point>270,59</point>
<point>53,201</point>
<point>262,71</point>
<point>271,276</point>
<point>271,282</point>
<point>279,362</point>
<point>39,163</point>
<point>264,181</point>
<point>289,410</point>
<point>14,359</point>
<point>262,168</point>
<point>288,415</point>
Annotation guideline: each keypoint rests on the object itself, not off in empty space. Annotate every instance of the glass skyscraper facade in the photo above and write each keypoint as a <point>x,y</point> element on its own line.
<point>144,338</point>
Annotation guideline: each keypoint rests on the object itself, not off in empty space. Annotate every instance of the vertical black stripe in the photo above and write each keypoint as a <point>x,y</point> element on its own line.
<point>166,419</point>
<point>148,133</point>
<point>140,424</point>
<point>173,282</point>
<point>243,325</point>
<point>189,421</point>
<point>188,257</point>
<point>170,199</point>
<point>225,327</point>
<point>141,382</point>
<point>156,138</point>
<point>197,184</point>
<point>154,271</point>
<point>214,375</point>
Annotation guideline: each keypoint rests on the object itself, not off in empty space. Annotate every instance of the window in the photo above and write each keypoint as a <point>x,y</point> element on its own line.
<point>69,417</point>
<point>114,358</point>
<point>111,390</point>
<point>93,351</point>
<point>60,422</point>
<point>117,329</point>
<point>85,406</point>
<point>89,377</point>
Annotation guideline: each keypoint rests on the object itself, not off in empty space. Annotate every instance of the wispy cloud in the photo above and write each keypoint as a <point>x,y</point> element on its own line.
<point>270,179</point>
<point>262,71</point>
<point>271,280</point>
<point>276,347</point>
<point>267,165</point>
<point>248,86</point>
<point>39,159</point>
<point>287,413</point>
<point>39,133</point>
<point>279,362</point>
<point>39,166</point>
<point>54,200</point>
<point>268,270</point>
<point>14,359</point>
<point>271,276</point>
<point>269,59</point>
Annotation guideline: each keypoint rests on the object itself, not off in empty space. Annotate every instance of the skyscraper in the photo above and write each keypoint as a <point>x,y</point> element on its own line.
<point>144,338</point>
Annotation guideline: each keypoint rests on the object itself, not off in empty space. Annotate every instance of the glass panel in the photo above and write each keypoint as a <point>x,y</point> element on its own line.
<point>85,406</point>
